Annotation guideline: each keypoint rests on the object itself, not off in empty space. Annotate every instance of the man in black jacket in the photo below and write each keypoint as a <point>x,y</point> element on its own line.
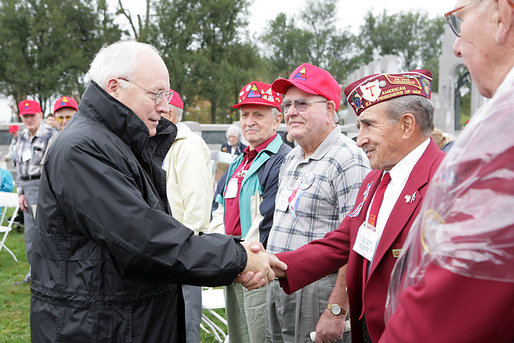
<point>109,258</point>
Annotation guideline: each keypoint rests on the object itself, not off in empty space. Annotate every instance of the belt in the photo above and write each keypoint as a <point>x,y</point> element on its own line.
<point>30,177</point>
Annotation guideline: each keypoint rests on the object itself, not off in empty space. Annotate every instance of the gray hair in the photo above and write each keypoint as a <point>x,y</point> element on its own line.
<point>233,130</point>
<point>177,112</point>
<point>418,106</point>
<point>116,60</point>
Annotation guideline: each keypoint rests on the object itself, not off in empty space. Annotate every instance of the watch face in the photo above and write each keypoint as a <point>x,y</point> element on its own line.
<point>336,309</point>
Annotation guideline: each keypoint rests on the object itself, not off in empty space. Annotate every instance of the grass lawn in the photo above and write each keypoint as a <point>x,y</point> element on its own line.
<point>15,300</point>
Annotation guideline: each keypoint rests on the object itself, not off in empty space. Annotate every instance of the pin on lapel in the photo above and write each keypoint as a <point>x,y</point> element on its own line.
<point>409,199</point>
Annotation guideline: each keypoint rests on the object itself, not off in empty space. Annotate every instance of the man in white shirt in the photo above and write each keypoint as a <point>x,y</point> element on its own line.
<point>395,120</point>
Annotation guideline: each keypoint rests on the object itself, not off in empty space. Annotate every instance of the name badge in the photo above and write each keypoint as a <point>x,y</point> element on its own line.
<point>366,241</point>
<point>231,191</point>
<point>281,203</point>
<point>27,155</point>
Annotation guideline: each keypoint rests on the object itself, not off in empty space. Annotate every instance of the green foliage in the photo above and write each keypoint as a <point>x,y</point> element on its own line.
<point>14,299</point>
<point>312,38</point>
<point>203,44</point>
<point>412,36</point>
<point>48,44</point>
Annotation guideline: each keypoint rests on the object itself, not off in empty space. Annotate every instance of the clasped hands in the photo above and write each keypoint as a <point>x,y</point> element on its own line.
<point>261,268</point>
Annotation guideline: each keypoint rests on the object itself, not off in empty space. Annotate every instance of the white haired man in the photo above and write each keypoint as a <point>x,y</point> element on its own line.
<point>109,260</point>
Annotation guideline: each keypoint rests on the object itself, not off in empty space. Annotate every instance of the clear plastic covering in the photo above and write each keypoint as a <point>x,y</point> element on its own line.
<point>466,223</point>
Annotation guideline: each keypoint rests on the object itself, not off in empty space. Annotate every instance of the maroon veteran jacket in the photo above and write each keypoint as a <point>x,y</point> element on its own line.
<point>324,256</point>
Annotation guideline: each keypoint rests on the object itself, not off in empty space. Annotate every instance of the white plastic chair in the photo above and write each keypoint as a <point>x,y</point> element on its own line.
<point>213,299</point>
<point>8,200</point>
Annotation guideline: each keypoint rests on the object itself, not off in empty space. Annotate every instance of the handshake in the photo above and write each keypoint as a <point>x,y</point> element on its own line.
<point>261,268</point>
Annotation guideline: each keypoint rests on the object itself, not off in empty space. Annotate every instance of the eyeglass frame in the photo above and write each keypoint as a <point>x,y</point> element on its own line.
<point>60,119</point>
<point>297,103</point>
<point>451,14</point>
<point>158,94</point>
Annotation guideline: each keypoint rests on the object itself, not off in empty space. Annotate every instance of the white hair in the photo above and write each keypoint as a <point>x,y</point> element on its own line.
<point>116,60</point>
<point>233,130</point>
<point>177,112</point>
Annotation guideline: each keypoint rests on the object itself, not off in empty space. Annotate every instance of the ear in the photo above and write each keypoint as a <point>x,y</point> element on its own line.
<point>331,107</point>
<point>278,120</point>
<point>407,125</point>
<point>504,20</point>
<point>112,87</point>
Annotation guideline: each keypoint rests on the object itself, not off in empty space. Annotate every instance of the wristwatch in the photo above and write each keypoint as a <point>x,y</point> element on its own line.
<point>336,310</point>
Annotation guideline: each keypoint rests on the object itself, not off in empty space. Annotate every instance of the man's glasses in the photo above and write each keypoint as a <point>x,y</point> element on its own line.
<point>453,20</point>
<point>300,104</point>
<point>158,96</point>
<point>61,118</point>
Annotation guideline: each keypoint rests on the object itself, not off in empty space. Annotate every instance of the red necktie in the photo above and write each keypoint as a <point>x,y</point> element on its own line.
<point>372,220</point>
<point>377,200</point>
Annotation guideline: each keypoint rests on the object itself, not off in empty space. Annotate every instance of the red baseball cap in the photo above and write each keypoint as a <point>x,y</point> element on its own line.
<point>173,98</point>
<point>259,93</point>
<point>376,88</point>
<point>29,107</point>
<point>13,128</point>
<point>312,80</point>
<point>65,101</point>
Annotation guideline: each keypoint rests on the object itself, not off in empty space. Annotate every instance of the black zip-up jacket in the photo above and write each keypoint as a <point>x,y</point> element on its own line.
<point>108,257</point>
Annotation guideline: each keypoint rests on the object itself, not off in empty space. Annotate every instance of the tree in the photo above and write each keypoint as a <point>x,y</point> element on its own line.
<point>48,44</point>
<point>313,38</point>
<point>412,36</point>
<point>203,45</point>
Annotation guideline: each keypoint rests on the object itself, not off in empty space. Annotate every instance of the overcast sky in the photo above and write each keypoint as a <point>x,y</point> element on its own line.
<point>349,13</point>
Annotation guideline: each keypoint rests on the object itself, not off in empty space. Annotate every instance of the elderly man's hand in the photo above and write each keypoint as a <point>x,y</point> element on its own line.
<point>260,266</point>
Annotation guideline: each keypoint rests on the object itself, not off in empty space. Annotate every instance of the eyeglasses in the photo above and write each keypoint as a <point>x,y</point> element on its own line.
<point>453,20</point>
<point>300,104</point>
<point>61,118</point>
<point>159,95</point>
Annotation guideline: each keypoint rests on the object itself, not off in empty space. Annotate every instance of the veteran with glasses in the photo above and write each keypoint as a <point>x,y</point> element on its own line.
<point>318,186</point>
<point>64,108</point>
<point>455,278</point>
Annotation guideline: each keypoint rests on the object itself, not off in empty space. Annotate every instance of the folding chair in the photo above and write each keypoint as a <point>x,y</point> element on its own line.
<point>213,299</point>
<point>8,200</point>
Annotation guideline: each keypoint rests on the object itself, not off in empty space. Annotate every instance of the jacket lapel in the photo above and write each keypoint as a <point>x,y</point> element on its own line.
<point>407,203</point>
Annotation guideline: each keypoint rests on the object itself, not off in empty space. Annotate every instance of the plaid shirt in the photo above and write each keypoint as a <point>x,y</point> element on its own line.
<point>30,151</point>
<point>315,194</point>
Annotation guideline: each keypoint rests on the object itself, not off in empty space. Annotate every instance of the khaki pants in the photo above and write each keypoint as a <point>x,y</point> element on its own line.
<point>246,314</point>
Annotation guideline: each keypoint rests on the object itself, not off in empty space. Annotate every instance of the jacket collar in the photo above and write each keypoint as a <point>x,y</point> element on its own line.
<point>122,121</point>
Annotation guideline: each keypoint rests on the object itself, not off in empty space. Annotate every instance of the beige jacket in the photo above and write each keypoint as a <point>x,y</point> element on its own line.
<point>189,182</point>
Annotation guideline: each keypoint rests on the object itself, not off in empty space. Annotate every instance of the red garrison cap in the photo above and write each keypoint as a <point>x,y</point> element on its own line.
<point>374,89</point>
<point>258,93</point>
<point>312,80</point>
<point>13,128</point>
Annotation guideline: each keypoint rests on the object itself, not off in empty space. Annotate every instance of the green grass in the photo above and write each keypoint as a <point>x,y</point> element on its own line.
<point>15,300</point>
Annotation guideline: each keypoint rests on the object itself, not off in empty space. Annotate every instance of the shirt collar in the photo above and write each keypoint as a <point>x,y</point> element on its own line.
<point>250,154</point>
<point>401,171</point>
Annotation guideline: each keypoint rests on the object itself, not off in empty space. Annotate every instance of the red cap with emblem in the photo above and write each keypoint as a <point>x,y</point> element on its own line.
<point>374,89</point>
<point>173,98</point>
<point>312,80</point>
<point>65,101</point>
<point>258,93</point>
<point>29,107</point>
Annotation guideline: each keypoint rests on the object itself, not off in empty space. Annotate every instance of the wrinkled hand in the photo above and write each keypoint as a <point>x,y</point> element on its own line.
<point>260,266</point>
<point>24,206</point>
<point>330,328</point>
